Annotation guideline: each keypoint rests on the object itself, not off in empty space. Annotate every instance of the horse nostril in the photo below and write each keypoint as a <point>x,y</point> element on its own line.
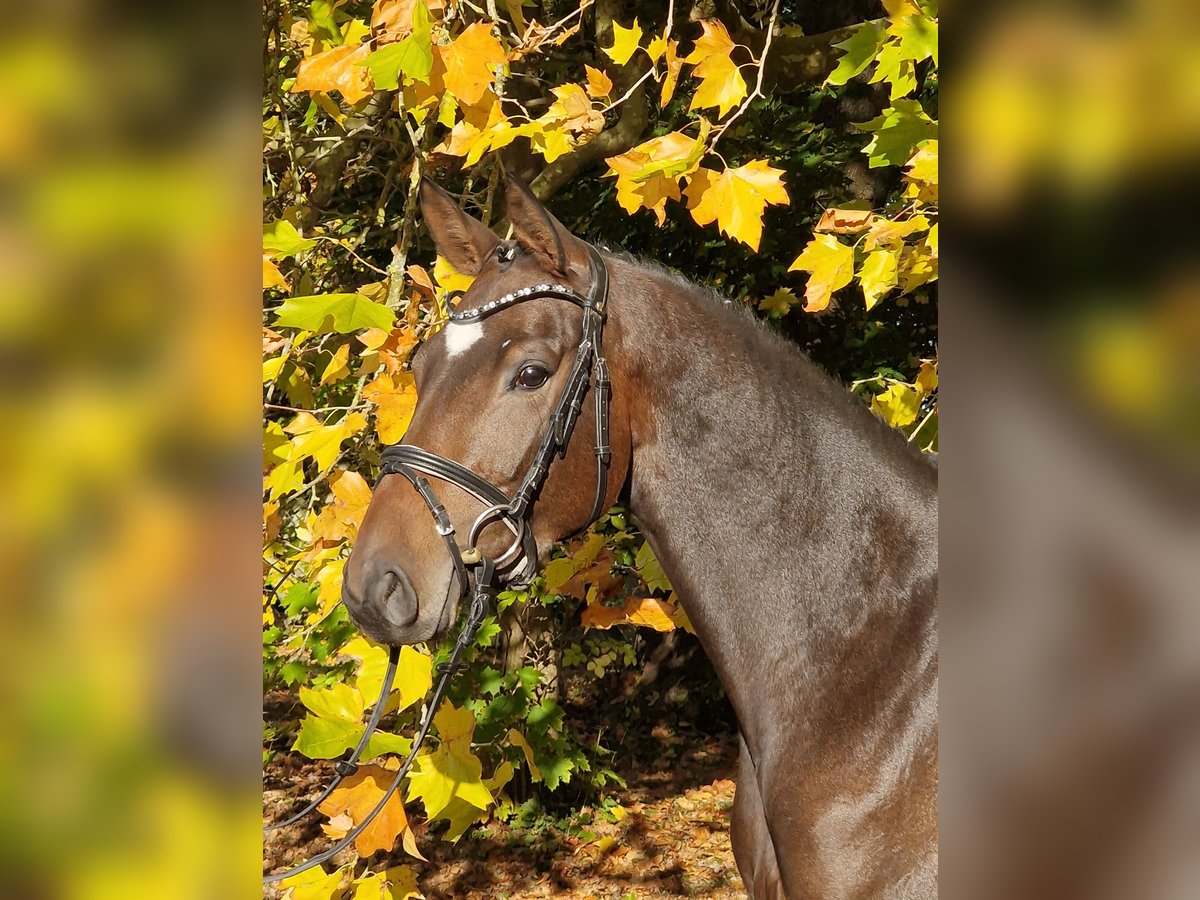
<point>393,596</point>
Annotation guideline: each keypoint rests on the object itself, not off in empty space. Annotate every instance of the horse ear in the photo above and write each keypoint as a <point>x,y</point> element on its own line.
<point>464,241</point>
<point>538,231</point>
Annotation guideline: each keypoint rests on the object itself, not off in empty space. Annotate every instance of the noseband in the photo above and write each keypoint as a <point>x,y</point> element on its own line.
<point>518,563</point>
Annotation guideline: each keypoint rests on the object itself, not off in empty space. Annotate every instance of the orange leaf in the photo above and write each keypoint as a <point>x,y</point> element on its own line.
<point>339,69</point>
<point>598,84</point>
<point>471,62</point>
<point>355,798</point>
<point>845,221</point>
<point>736,199</point>
<point>395,398</point>
<point>721,81</point>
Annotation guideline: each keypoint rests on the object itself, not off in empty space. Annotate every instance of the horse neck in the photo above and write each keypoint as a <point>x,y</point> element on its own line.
<point>797,529</point>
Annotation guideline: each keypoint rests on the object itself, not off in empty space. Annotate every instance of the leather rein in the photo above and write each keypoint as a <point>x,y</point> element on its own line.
<point>519,561</point>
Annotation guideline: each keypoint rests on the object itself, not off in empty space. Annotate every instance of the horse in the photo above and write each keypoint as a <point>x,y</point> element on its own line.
<point>798,530</point>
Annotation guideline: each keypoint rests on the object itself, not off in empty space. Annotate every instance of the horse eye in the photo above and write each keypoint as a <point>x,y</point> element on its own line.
<point>531,377</point>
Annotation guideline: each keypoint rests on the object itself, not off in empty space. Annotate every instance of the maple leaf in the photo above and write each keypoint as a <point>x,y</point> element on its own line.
<point>927,378</point>
<point>916,37</point>
<point>897,132</point>
<point>321,442</point>
<point>339,69</point>
<point>877,275</point>
<point>412,56</point>
<point>395,399</point>
<point>674,63</point>
<point>721,81</point>
<point>893,67</point>
<point>450,778</point>
<point>844,221</point>
<point>471,62</point>
<point>517,739</point>
<point>625,42</point>
<point>736,198</point>
<point>282,239</point>
<point>831,264</point>
<point>337,367</point>
<point>898,405</point>
<point>356,797</point>
<point>779,304</point>
<point>648,175</point>
<point>342,313</point>
<point>922,174</point>
<point>396,883</point>
<point>598,84</point>
<point>572,111</point>
<point>313,884</point>
<point>889,233</point>
<point>342,515</point>
<point>272,277</point>
<point>860,49</point>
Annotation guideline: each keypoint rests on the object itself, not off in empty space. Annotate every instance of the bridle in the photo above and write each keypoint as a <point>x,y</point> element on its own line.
<point>519,561</point>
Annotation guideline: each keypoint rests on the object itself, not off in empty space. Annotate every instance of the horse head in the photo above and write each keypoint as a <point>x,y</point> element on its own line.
<point>488,388</point>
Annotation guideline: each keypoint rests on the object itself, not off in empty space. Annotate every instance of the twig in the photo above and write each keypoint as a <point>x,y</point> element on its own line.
<point>757,92</point>
<point>637,84</point>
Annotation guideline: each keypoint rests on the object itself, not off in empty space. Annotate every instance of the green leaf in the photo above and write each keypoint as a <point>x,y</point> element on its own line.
<point>897,132</point>
<point>412,57</point>
<point>861,47</point>
<point>381,742</point>
<point>342,313</point>
<point>282,239</point>
<point>917,37</point>
<point>322,738</point>
<point>545,716</point>
<point>321,23</point>
<point>892,66</point>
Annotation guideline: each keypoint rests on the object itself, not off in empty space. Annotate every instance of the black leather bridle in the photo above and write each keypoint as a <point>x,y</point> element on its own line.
<point>519,561</point>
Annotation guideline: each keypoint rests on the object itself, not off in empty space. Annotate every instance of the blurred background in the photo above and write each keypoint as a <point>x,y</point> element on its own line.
<point>130,721</point>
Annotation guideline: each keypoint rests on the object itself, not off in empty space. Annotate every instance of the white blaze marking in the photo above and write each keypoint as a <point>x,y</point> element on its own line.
<point>461,335</point>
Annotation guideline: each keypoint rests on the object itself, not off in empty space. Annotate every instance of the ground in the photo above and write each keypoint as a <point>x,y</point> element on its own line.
<point>671,839</point>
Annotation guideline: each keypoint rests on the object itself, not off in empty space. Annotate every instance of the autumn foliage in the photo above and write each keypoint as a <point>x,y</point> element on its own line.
<point>685,135</point>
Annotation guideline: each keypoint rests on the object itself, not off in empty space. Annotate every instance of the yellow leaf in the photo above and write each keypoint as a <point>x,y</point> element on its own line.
<point>517,739</point>
<point>572,111</point>
<point>736,199</point>
<point>272,277</point>
<point>339,69</point>
<point>625,42</point>
<point>372,665</point>
<point>342,515</point>
<point>337,367</point>
<point>831,264</point>
<point>461,140</point>
<point>674,63</point>
<point>356,797</point>
<point>598,84</point>
<point>721,81</point>
<point>927,378</point>
<point>271,367</point>
<point>779,303</point>
<point>657,47</point>
<point>414,678</point>
<point>471,62</point>
<point>898,405</point>
<point>844,221</point>
<point>918,265</point>
<point>321,442</point>
<point>648,175</point>
<point>922,174</point>
<point>651,612</point>
<point>551,144</point>
<point>448,278</point>
<point>931,241</point>
<point>449,780</point>
<point>315,884</point>
<point>397,883</point>
<point>877,275</point>
<point>395,399</point>
<point>886,233</point>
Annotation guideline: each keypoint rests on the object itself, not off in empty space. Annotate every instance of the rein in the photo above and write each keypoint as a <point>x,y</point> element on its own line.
<point>519,561</point>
